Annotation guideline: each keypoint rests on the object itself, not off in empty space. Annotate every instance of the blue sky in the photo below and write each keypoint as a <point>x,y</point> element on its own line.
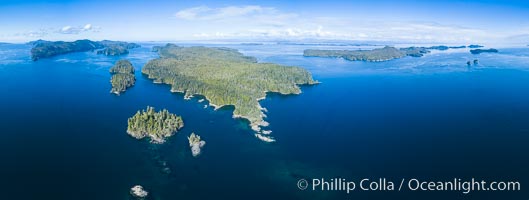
<point>449,21</point>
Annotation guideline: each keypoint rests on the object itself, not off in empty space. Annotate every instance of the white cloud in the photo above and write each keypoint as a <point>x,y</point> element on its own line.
<point>270,23</point>
<point>78,29</point>
<point>191,13</point>
<point>87,27</point>
<point>207,13</point>
<point>51,33</point>
<point>33,34</point>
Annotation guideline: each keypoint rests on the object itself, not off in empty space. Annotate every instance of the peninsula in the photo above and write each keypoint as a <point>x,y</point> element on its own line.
<point>122,76</point>
<point>45,49</point>
<point>225,77</point>
<point>156,125</point>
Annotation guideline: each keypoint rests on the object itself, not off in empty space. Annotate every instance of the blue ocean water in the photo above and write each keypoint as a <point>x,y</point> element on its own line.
<point>62,134</point>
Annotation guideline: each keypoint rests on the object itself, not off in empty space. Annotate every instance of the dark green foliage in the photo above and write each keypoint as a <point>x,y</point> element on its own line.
<point>225,77</point>
<point>122,76</point>
<point>120,82</point>
<point>46,49</point>
<point>156,125</point>
<point>122,66</point>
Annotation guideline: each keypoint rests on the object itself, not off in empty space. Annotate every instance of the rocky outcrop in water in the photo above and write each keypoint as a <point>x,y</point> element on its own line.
<point>138,192</point>
<point>196,144</point>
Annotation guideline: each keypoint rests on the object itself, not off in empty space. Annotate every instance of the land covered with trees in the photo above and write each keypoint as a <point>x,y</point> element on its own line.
<point>45,49</point>
<point>113,51</point>
<point>156,125</point>
<point>375,55</point>
<point>225,77</point>
<point>122,76</point>
<point>379,54</point>
<point>478,51</point>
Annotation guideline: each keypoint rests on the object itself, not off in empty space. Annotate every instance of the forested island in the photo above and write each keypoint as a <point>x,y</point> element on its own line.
<point>478,51</point>
<point>225,77</point>
<point>113,51</point>
<point>473,46</point>
<point>375,55</point>
<point>122,76</point>
<point>45,49</point>
<point>379,54</point>
<point>155,125</point>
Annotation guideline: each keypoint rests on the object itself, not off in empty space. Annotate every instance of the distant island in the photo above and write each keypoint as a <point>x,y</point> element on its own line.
<point>478,51</point>
<point>113,51</point>
<point>155,125</point>
<point>441,48</point>
<point>375,55</point>
<point>415,51</point>
<point>473,46</point>
<point>251,43</point>
<point>225,77</point>
<point>337,43</point>
<point>45,49</point>
<point>378,54</point>
<point>122,76</point>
